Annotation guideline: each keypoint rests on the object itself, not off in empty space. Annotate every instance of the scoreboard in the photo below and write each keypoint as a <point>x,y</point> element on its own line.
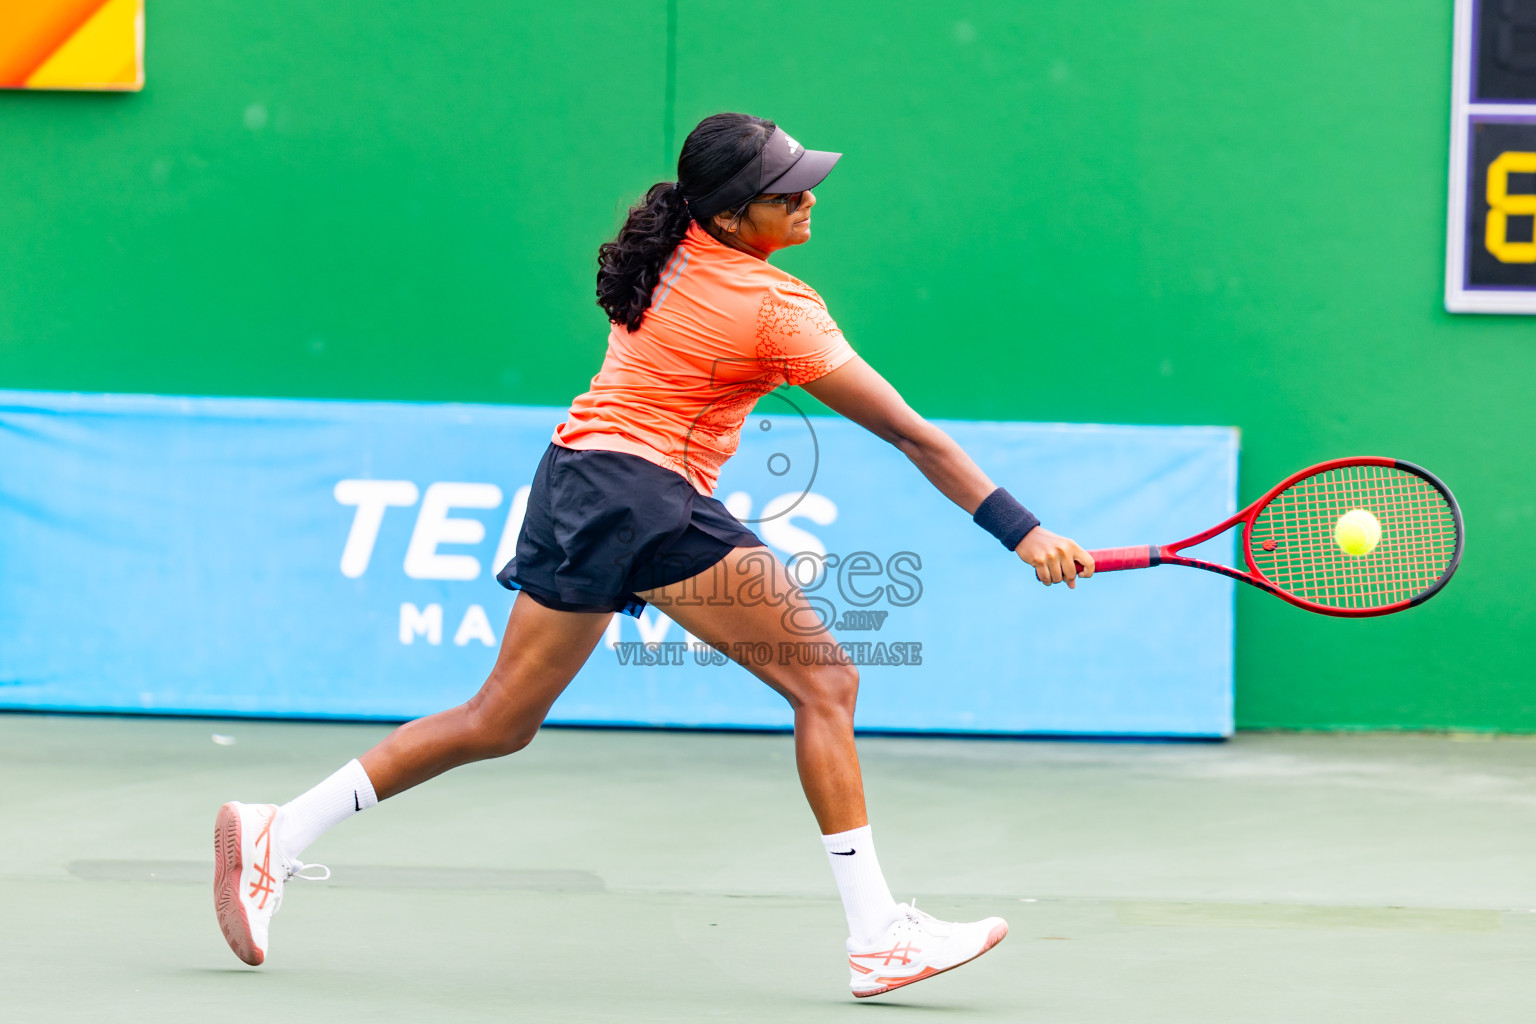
<point>1490,262</point>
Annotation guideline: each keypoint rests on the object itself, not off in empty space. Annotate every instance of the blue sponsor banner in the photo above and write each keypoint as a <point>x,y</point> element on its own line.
<point>337,559</point>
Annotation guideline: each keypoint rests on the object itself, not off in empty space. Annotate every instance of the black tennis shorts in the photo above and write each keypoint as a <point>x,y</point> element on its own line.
<point>601,525</point>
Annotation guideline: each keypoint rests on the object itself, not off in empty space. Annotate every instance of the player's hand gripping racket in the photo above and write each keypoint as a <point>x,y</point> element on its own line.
<point>1307,541</point>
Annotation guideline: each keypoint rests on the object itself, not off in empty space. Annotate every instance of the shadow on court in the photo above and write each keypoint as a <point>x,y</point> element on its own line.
<point>672,876</point>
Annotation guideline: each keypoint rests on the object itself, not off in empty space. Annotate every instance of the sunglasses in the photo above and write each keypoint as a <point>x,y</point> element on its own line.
<point>791,201</point>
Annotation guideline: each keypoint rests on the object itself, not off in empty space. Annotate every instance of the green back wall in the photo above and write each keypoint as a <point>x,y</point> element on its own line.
<point>1132,212</point>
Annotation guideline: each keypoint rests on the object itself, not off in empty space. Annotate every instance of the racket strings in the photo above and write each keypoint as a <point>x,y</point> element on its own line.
<point>1418,537</point>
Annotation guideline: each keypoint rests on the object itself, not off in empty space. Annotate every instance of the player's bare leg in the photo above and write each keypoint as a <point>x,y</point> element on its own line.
<point>750,598</point>
<point>764,602</point>
<point>541,652</point>
<point>257,846</point>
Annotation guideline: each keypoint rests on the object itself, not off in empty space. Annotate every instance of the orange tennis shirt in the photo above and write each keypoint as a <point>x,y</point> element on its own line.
<point>724,328</point>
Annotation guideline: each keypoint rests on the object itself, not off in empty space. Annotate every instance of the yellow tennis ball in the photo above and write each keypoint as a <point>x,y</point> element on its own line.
<point>1357,532</point>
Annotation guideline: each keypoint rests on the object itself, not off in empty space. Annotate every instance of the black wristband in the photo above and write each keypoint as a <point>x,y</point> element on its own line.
<point>1001,515</point>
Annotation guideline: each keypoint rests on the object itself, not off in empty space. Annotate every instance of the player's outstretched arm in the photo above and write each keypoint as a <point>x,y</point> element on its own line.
<point>856,390</point>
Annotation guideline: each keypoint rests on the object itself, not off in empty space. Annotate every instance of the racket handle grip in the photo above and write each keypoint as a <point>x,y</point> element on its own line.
<point>1114,559</point>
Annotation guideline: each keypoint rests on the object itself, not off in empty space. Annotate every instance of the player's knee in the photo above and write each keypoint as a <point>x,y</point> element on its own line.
<point>493,732</point>
<point>499,741</point>
<point>835,689</point>
<point>512,742</point>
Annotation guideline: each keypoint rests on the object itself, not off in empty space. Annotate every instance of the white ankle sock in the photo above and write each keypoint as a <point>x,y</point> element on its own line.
<point>305,818</point>
<point>866,899</point>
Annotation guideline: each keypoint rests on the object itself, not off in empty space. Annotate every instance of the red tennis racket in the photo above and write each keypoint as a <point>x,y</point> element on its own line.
<point>1290,548</point>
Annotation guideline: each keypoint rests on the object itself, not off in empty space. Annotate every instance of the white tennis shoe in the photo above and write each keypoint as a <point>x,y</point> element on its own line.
<point>247,890</point>
<point>916,946</point>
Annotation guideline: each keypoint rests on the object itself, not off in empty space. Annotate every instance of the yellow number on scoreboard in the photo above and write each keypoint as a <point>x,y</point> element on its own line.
<point>1502,206</point>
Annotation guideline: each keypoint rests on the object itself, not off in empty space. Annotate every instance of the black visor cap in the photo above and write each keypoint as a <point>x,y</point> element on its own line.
<point>783,165</point>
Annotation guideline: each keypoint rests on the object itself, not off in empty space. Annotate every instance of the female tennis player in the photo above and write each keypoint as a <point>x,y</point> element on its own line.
<point>620,515</point>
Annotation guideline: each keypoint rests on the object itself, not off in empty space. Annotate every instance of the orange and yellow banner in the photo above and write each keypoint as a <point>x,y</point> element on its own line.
<point>72,44</point>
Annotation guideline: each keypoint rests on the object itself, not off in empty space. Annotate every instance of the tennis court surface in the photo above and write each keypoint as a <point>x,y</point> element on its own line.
<point>610,875</point>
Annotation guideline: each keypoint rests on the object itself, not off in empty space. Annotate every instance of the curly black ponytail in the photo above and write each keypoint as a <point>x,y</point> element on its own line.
<point>629,266</point>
